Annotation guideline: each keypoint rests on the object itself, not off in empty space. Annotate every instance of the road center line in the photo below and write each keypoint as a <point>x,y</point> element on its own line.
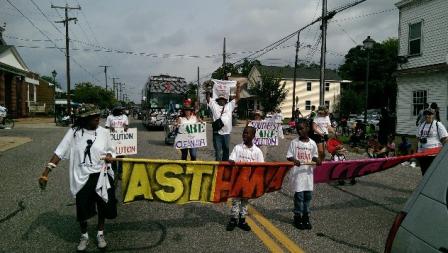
<point>264,237</point>
<point>277,233</point>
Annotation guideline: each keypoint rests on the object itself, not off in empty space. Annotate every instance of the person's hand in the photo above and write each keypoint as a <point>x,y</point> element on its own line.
<point>126,128</point>
<point>296,162</point>
<point>112,129</point>
<point>43,180</point>
<point>108,158</point>
<point>318,162</point>
<point>232,162</point>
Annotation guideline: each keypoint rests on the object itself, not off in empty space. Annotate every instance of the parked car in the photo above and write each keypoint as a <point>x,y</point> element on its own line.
<point>422,225</point>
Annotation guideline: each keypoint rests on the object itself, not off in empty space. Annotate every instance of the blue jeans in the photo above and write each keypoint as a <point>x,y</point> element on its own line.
<point>221,146</point>
<point>302,202</point>
<point>193,152</point>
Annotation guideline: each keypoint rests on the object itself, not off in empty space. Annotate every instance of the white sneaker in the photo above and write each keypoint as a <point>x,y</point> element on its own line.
<point>101,241</point>
<point>83,242</point>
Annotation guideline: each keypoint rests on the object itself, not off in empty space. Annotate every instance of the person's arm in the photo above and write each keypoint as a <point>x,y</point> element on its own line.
<point>237,92</point>
<point>317,130</point>
<point>126,123</point>
<point>43,179</point>
<point>207,96</point>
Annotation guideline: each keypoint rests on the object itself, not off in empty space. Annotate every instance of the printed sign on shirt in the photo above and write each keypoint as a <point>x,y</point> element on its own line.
<point>191,136</point>
<point>267,133</point>
<point>125,142</point>
<point>222,88</point>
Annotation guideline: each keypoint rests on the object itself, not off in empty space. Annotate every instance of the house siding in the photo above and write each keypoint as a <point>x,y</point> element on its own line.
<point>434,46</point>
<point>436,85</point>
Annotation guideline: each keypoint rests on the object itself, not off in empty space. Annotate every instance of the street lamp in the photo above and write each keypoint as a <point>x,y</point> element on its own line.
<point>368,45</point>
<point>54,73</point>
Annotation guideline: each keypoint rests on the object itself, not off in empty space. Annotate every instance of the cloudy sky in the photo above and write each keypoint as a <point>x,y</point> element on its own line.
<point>158,32</point>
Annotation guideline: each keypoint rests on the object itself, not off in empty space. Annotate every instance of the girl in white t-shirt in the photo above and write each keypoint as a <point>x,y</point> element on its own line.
<point>430,134</point>
<point>322,128</point>
<point>188,117</point>
<point>302,150</point>
<point>85,144</point>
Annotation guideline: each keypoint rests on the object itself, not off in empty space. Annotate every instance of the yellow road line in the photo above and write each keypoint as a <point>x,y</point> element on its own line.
<point>277,233</point>
<point>264,237</point>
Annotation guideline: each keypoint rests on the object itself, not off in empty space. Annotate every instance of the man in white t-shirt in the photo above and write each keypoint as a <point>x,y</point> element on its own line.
<point>117,119</point>
<point>223,109</point>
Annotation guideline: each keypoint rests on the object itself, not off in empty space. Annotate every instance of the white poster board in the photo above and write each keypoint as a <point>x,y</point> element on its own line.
<point>191,136</point>
<point>268,132</point>
<point>125,142</point>
<point>222,88</point>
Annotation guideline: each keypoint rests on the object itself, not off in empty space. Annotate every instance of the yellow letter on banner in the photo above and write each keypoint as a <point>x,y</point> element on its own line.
<point>172,182</point>
<point>138,184</point>
<point>197,181</point>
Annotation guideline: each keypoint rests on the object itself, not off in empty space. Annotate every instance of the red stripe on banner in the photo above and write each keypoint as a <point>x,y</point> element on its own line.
<point>248,180</point>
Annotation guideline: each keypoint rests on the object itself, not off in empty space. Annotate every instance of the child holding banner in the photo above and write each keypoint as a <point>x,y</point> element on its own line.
<point>85,144</point>
<point>243,152</point>
<point>188,117</point>
<point>302,151</point>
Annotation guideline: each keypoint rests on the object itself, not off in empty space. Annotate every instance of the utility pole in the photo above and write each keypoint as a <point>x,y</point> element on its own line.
<point>224,60</point>
<point>105,72</point>
<point>114,84</point>
<point>197,91</point>
<point>323,53</point>
<point>121,90</point>
<point>67,47</point>
<point>295,75</point>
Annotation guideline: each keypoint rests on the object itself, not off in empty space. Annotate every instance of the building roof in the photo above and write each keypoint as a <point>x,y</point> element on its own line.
<point>16,62</point>
<point>403,3</point>
<point>302,73</point>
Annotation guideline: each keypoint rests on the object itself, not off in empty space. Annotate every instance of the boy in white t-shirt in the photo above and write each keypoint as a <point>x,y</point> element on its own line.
<point>302,150</point>
<point>243,152</point>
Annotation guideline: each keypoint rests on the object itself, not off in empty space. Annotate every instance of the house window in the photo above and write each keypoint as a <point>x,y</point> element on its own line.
<point>419,99</point>
<point>327,86</point>
<point>308,86</point>
<point>308,105</point>
<point>327,104</point>
<point>415,38</point>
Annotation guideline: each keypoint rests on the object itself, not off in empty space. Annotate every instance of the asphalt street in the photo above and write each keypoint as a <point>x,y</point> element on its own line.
<point>345,218</point>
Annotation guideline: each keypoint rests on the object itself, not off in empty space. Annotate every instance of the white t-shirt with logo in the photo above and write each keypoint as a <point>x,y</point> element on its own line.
<point>226,115</point>
<point>322,123</point>
<point>242,153</point>
<point>84,149</point>
<point>301,178</point>
<point>429,131</point>
<point>117,121</point>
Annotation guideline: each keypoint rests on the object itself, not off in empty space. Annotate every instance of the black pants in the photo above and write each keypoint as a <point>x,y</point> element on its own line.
<point>425,162</point>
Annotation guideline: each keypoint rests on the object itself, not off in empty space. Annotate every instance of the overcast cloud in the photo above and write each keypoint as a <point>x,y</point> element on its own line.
<point>191,27</point>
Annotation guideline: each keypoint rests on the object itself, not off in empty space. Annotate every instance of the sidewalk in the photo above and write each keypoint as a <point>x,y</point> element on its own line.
<point>38,122</point>
<point>9,142</point>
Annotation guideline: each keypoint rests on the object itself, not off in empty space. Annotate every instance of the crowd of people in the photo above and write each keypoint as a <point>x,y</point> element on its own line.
<point>89,148</point>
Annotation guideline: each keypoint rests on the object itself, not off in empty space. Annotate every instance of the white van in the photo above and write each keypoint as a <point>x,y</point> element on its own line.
<point>422,226</point>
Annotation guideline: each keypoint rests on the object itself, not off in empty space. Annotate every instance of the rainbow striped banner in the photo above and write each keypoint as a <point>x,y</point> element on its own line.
<point>175,181</point>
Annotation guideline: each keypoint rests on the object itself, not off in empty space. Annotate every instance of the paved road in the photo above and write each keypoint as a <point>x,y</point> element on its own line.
<point>346,219</point>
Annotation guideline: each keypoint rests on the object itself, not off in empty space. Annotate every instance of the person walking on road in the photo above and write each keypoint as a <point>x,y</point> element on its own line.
<point>430,134</point>
<point>302,150</point>
<point>243,152</point>
<point>188,117</point>
<point>90,179</point>
<point>322,127</point>
<point>118,119</point>
<point>222,109</point>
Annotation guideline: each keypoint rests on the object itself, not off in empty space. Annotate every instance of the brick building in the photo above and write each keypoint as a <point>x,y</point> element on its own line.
<point>21,89</point>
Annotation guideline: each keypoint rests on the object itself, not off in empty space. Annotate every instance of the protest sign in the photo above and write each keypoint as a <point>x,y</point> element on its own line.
<point>125,142</point>
<point>191,136</point>
<point>222,88</point>
<point>267,133</point>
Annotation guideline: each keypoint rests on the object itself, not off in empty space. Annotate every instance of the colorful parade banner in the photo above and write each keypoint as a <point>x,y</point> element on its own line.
<point>191,136</point>
<point>125,142</point>
<point>222,88</point>
<point>347,169</point>
<point>180,182</point>
<point>267,133</point>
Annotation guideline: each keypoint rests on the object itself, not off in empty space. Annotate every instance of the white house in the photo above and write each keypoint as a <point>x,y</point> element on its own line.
<point>422,77</point>
<point>307,87</point>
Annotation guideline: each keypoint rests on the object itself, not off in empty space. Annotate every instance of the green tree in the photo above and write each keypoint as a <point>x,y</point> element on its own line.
<point>269,91</point>
<point>50,80</point>
<point>89,93</point>
<point>219,73</point>
<point>383,64</point>
<point>192,91</point>
<point>245,67</point>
